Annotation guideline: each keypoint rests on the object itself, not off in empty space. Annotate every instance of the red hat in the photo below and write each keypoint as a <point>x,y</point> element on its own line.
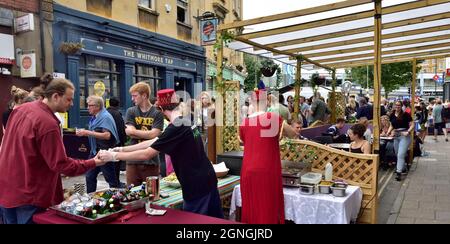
<point>166,97</point>
<point>259,94</point>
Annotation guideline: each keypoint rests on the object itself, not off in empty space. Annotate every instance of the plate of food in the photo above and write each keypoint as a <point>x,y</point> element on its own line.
<point>171,180</point>
<point>221,170</point>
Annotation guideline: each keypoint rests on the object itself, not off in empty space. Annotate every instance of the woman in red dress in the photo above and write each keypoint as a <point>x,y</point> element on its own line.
<point>261,182</point>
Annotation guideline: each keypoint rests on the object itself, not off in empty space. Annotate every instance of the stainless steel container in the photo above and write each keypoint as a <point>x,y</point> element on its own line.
<point>324,189</point>
<point>338,191</point>
<point>307,189</point>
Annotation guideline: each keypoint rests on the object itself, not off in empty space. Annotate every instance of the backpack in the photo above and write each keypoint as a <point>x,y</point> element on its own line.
<point>446,114</point>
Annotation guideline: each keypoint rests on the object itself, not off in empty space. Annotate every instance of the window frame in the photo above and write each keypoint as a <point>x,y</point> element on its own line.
<point>85,70</point>
<point>152,6</point>
<point>186,8</point>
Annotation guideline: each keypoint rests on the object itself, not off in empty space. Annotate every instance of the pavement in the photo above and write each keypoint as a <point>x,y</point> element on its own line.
<point>424,195</point>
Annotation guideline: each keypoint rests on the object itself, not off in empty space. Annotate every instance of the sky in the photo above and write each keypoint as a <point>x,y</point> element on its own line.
<point>258,8</point>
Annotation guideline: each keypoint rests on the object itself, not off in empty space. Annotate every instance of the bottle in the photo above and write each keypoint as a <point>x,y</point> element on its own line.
<point>329,172</point>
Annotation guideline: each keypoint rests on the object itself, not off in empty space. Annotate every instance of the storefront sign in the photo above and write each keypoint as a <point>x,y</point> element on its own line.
<point>24,23</point>
<point>115,51</point>
<point>208,31</point>
<point>28,65</point>
<point>99,88</point>
<point>59,75</point>
<point>433,93</point>
<point>6,48</point>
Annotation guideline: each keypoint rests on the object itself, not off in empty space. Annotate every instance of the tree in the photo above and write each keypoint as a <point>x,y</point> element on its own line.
<point>253,72</point>
<point>392,75</point>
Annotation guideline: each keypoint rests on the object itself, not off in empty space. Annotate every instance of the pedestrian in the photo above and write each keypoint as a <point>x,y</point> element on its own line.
<point>359,144</point>
<point>17,98</point>
<point>113,109</point>
<point>30,177</point>
<point>261,182</point>
<point>319,109</point>
<point>143,122</point>
<point>401,127</point>
<point>439,123</point>
<point>102,134</point>
<point>182,142</point>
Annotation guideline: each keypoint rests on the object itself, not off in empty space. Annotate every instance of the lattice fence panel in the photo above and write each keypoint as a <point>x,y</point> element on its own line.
<point>231,117</point>
<point>340,104</point>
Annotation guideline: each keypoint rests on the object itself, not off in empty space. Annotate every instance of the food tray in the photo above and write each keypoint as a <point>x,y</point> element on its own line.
<point>134,205</point>
<point>101,218</point>
<point>175,184</point>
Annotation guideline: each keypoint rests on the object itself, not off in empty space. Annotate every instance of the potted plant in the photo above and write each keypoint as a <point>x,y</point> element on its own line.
<point>268,67</point>
<point>70,47</point>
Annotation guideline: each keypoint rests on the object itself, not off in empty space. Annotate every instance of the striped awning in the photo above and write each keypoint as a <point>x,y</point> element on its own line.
<point>6,61</point>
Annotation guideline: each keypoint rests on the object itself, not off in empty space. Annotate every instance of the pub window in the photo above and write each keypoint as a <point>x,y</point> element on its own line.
<point>237,8</point>
<point>150,75</point>
<point>98,76</point>
<point>150,4</point>
<point>183,11</point>
<point>101,7</point>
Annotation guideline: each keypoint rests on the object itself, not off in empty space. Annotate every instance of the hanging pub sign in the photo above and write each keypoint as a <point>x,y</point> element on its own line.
<point>24,23</point>
<point>208,31</point>
<point>28,65</point>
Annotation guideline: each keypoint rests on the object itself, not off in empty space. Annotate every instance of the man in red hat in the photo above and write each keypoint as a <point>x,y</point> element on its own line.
<point>184,145</point>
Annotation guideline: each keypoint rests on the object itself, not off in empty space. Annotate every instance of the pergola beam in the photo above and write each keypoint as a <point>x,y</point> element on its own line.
<point>342,19</point>
<point>359,31</point>
<point>394,59</point>
<point>293,14</point>
<point>296,56</point>
<point>396,51</point>
<point>386,45</point>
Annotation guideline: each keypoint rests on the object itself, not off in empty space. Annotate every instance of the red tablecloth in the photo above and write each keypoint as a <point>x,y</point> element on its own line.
<point>172,216</point>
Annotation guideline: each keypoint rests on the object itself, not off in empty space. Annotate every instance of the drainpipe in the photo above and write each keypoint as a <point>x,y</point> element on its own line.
<point>41,27</point>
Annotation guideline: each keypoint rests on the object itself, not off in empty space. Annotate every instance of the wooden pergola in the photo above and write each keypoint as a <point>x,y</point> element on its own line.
<point>354,33</point>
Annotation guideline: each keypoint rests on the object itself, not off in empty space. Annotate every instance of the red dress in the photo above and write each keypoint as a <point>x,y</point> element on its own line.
<point>261,182</point>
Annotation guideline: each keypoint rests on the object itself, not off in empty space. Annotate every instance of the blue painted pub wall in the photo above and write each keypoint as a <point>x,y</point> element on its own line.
<point>128,45</point>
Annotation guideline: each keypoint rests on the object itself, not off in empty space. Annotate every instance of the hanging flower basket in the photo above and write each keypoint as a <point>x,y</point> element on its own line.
<point>268,68</point>
<point>268,71</point>
<point>70,48</point>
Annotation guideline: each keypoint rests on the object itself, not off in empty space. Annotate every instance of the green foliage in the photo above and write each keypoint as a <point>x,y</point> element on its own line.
<point>392,75</point>
<point>279,78</point>
<point>253,72</point>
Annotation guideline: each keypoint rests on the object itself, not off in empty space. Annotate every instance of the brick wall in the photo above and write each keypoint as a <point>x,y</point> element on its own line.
<point>31,6</point>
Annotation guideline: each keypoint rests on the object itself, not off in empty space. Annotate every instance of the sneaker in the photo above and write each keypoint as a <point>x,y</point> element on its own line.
<point>398,176</point>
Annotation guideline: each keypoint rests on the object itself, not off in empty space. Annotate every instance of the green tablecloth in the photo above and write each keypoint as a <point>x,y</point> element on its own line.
<point>175,199</point>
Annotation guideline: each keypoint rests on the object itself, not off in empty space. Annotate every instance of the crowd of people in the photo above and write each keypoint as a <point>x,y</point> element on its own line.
<point>30,178</point>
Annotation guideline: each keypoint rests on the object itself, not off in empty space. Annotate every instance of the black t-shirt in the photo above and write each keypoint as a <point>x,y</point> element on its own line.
<point>105,144</point>
<point>184,145</point>
<point>144,121</point>
<point>5,117</point>
<point>120,124</point>
<point>401,122</point>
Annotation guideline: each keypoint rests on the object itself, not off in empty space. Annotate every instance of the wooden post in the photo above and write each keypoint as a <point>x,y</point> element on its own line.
<point>220,95</point>
<point>333,97</point>
<point>298,79</point>
<point>377,97</point>
<point>377,79</point>
<point>413,108</point>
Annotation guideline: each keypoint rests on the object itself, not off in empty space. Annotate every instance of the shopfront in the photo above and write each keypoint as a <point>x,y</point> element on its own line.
<point>113,56</point>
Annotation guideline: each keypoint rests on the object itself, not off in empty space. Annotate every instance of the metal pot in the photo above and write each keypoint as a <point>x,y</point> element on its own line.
<point>338,191</point>
<point>307,189</point>
<point>324,189</point>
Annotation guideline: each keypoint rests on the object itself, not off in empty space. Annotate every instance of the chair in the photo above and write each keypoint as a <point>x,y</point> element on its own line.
<point>323,139</point>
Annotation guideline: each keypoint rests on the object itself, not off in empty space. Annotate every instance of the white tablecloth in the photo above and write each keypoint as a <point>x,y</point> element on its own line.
<point>313,209</point>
